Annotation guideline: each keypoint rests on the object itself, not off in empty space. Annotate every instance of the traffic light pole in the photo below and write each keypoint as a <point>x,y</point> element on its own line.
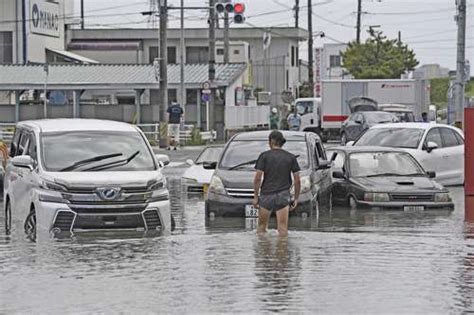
<point>163,71</point>
<point>310,48</point>
<point>226,37</point>
<point>460,62</point>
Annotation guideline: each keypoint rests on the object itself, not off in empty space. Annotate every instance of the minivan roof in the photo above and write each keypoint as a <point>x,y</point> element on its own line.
<point>64,125</point>
<point>263,135</point>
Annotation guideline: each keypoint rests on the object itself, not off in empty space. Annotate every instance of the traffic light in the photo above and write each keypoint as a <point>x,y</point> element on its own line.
<point>239,9</point>
<point>220,8</point>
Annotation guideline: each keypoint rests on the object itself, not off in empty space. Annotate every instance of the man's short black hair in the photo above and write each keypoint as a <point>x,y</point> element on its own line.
<point>277,138</point>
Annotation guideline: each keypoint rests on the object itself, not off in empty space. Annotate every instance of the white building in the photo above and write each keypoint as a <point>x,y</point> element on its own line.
<point>331,62</point>
<point>430,71</point>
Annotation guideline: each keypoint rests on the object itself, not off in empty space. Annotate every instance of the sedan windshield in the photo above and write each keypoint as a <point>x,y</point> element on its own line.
<point>373,164</point>
<point>211,154</point>
<point>380,117</point>
<point>391,137</point>
<point>87,150</point>
<point>240,152</point>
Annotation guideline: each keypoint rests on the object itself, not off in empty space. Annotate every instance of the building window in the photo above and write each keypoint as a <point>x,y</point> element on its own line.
<point>293,56</point>
<point>334,61</point>
<point>191,97</point>
<point>153,54</point>
<point>6,47</point>
<point>236,52</point>
<point>172,96</point>
<point>197,55</point>
<point>220,51</point>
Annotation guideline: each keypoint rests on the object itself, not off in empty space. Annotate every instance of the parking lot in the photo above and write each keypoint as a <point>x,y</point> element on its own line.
<point>333,262</point>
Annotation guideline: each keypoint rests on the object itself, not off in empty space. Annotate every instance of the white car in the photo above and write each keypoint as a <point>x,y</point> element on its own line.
<point>438,147</point>
<point>196,179</point>
<point>68,175</point>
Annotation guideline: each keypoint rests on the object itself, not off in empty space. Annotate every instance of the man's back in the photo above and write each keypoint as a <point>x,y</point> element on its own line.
<point>175,112</point>
<point>277,166</point>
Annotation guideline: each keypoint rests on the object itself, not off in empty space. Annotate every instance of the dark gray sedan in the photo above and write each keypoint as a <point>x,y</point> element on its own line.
<point>384,178</point>
<point>358,122</point>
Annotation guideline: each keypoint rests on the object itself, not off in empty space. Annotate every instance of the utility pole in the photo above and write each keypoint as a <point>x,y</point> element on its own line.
<point>461,62</point>
<point>212,61</point>
<point>297,13</point>
<point>226,37</point>
<point>310,48</point>
<point>163,52</point>
<point>82,14</point>
<point>359,13</point>
<point>182,98</point>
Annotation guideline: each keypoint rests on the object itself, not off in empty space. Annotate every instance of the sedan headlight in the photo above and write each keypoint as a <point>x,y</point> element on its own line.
<point>376,197</point>
<point>216,186</point>
<point>443,197</point>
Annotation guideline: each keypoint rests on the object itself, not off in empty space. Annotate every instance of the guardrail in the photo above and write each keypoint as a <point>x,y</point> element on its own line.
<point>152,132</point>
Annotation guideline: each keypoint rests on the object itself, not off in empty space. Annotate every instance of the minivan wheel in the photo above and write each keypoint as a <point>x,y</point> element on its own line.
<point>30,224</point>
<point>8,217</point>
<point>352,203</point>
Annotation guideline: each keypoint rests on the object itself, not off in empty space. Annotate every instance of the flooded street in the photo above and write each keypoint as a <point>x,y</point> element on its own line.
<point>340,262</point>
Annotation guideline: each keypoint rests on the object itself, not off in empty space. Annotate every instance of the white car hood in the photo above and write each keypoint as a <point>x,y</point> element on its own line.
<point>197,172</point>
<point>104,178</point>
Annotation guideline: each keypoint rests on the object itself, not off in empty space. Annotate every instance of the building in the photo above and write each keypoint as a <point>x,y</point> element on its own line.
<point>31,29</point>
<point>273,68</point>
<point>331,62</point>
<point>431,71</point>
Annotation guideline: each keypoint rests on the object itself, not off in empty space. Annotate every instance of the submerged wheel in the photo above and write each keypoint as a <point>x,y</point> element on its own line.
<point>352,203</point>
<point>8,217</point>
<point>30,224</point>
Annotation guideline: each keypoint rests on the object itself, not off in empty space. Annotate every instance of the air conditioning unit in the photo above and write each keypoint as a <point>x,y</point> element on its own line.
<point>264,98</point>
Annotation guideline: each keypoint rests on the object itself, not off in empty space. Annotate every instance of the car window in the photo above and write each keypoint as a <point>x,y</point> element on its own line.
<point>408,138</point>
<point>32,148</point>
<point>24,142</point>
<point>459,138</point>
<point>246,151</point>
<point>434,136</point>
<point>15,142</point>
<point>62,150</point>
<point>337,158</point>
<point>304,107</point>
<point>383,164</point>
<point>320,151</point>
<point>358,117</point>
<point>379,117</point>
<point>449,137</point>
<point>210,154</point>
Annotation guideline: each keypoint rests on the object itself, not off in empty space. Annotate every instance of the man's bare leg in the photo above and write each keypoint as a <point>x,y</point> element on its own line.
<point>263,218</point>
<point>282,220</point>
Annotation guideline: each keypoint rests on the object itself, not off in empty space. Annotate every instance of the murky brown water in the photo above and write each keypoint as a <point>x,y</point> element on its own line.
<point>344,262</point>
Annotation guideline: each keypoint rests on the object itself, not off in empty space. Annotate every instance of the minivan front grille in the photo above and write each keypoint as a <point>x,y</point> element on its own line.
<point>108,209</point>
<point>152,219</point>
<point>64,220</point>
<point>240,192</point>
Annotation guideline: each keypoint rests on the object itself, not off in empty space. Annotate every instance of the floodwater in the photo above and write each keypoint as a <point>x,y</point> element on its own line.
<point>342,262</point>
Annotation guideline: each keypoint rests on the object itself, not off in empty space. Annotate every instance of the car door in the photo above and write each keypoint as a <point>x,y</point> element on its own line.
<point>338,187</point>
<point>356,127</point>
<point>453,156</point>
<point>22,187</point>
<point>323,175</point>
<point>14,174</point>
<point>433,160</point>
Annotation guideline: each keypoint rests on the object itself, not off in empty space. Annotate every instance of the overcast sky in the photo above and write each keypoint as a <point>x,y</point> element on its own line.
<point>428,26</point>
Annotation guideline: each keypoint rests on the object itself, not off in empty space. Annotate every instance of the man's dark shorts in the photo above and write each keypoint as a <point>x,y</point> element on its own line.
<point>275,201</point>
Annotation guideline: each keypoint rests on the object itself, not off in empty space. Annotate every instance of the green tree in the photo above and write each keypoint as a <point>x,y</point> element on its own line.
<point>378,58</point>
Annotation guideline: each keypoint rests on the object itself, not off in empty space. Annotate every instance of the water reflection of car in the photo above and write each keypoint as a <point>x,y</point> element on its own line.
<point>231,189</point>
<point>359,122</point>
<point>437,147</point>
<point>196,178</point>
<point>69,175</point>
<point>384,178</point>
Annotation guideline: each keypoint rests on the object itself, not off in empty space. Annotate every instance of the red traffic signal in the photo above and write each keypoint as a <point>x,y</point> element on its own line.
<point>239,8</point>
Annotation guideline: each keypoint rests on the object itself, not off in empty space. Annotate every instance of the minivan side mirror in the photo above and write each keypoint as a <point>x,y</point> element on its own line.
<point>23,161</point>
<point>163,158</point>
<point>431,174</point>
<point>324,165</point>
<point>190,162</point>
<point>338,175</point>
<point>209,165</point>
<point>430,146</point>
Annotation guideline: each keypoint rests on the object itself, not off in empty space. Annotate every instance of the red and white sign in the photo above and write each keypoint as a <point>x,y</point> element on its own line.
<point>317,71</point>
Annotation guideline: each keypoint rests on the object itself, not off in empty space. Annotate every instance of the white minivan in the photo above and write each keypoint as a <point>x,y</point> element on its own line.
<point>68,175</point>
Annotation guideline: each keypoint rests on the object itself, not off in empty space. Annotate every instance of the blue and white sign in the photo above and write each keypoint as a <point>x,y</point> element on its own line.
<point>44,17</point>
<point>206,97</point>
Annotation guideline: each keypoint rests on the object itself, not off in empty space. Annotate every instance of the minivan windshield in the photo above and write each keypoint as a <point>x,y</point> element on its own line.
<point>408,138</point>
<point>96,151</point>
<point>240,152</point>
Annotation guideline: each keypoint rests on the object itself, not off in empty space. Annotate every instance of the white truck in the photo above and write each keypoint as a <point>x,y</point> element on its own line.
<point>325,115</point>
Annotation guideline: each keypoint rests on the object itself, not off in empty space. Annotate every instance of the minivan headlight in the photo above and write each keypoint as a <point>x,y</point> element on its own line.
<point>49,185</point>
<point>158,191</point>
<point>216,186</point>
<point>51,192</point>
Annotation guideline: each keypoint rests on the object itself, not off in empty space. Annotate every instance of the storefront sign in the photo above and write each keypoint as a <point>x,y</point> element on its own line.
<point>317,72</point>
<point>44,17</point>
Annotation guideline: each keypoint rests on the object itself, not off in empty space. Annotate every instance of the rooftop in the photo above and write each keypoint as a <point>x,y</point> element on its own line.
<point>64,125</point>
<point>111,76</point>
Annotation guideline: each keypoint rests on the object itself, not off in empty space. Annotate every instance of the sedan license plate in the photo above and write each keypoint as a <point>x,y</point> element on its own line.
<point>413,208</point>
<point>251,211</point>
